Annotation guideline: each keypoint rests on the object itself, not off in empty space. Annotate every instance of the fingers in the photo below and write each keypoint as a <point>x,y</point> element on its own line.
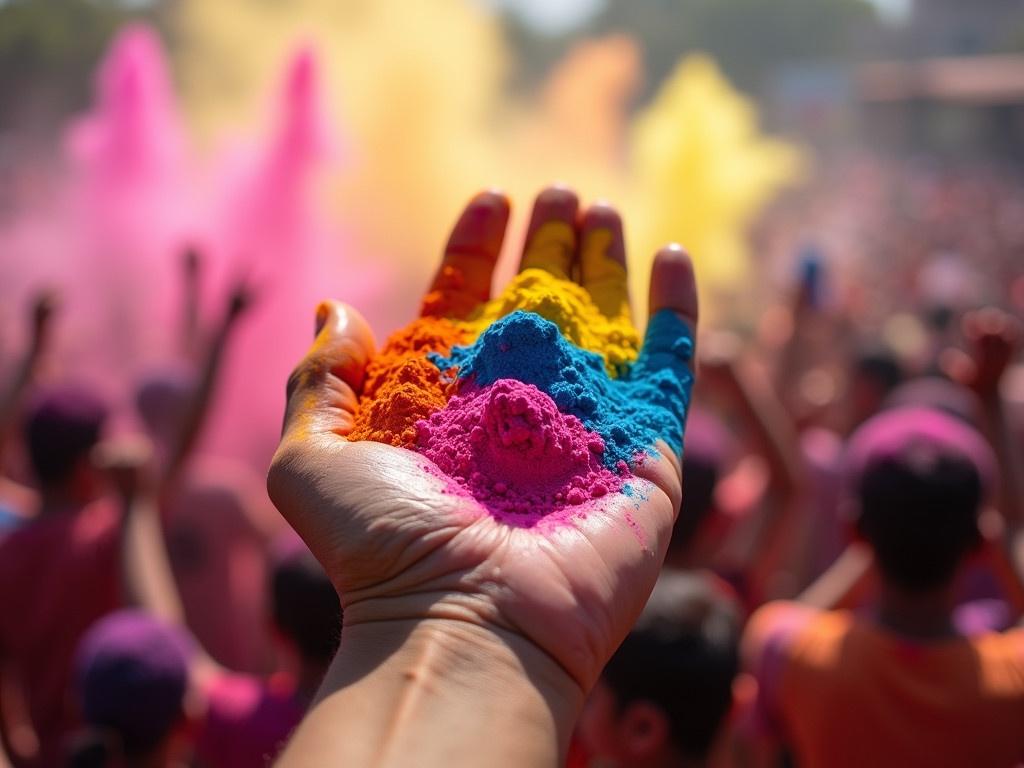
<point>551,236</point>
<point>323,389</point>
<point>464,278</point>
<point>666,358</point>
<point>603,260</point>
<point>673,285</point>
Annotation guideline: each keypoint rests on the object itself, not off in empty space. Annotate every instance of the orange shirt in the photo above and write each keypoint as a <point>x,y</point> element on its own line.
<point>841,691</point>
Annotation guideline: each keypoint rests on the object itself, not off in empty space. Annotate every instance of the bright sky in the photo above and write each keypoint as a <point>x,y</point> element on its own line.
<point>551,16</point>
<point>557,16</point>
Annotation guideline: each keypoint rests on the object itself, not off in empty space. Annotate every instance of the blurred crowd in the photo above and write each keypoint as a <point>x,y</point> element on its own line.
<point>841,586</point>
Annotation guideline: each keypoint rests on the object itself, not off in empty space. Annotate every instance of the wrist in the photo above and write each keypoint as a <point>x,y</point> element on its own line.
<point>439,692</point>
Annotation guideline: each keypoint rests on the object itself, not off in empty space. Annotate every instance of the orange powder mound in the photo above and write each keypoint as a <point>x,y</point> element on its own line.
<point>402,386</point>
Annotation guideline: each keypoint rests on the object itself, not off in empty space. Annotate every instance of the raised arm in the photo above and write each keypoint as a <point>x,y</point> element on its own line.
<point>773,437</point>
<point>191,283</point>
<point>146,576</point>
<point>199,406</point>
<point>993,339</point>
<point>43,308</point>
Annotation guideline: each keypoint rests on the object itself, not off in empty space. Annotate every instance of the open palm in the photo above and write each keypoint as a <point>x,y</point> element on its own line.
<point>399,547</point>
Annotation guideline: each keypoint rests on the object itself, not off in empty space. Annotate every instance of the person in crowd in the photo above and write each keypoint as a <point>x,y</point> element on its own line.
<point>739,522</point>
<point>236,719</point>
<point>18,501</point>
<point>898,685</point>
<point>666,694</point>
<point>131,685</point>
<point>58,573</point>
<point>218,528</point>
<point>247,719</point>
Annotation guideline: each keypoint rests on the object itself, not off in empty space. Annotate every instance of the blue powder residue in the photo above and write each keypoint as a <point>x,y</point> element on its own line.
<point>630,413</point>
<point>631,492</point>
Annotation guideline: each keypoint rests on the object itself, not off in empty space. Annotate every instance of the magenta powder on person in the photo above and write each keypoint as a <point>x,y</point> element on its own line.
<point>510,447</point>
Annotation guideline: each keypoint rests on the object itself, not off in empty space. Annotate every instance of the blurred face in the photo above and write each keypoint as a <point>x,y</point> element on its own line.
<point>636,735</point>
<point>596,725</point>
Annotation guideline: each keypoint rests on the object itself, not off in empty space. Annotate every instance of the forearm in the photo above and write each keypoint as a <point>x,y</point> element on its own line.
<point>145,567</point>
<point>845,581</point>
<point>196,412</point>
<point>438,693</point>
<point>774,439</point>
<point>772,431</point>
<point>1011,462</point>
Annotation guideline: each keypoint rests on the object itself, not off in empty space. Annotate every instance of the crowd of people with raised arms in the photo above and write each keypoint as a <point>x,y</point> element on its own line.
<point>828,574</point>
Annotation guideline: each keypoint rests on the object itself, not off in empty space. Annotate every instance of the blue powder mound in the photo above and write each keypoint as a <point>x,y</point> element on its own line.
<point>630,413</point>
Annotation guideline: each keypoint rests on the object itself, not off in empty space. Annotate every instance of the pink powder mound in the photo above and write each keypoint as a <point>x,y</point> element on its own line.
<point>516,453</point>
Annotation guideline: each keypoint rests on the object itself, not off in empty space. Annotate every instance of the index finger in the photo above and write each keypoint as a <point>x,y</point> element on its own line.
<point>464,278</point>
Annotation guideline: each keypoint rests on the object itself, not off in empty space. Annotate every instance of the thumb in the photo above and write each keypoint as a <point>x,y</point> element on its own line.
<point>323,389</point>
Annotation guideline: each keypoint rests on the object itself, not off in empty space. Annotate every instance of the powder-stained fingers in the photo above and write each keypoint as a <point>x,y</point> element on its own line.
<point>674,286</point>
<point>669,342</point>
<point>551,236</point>
<point>668,353</point>
<point>323,389</point>
<point>603,260</point>
<point>464,279</point>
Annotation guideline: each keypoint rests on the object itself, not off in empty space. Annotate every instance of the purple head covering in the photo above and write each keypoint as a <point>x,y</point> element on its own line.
<point>916,434</point>
<point>62,425</point>
<point>938,394</point>
<point>132,674</point>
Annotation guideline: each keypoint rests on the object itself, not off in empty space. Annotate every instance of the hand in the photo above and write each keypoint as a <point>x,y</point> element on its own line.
<point>400,549</point>
<point>191,262</point>
<point>44,306</point>
<point>719,358</point>
<point>993,337</point>
<point>127,463</point>
<point>241,299</point>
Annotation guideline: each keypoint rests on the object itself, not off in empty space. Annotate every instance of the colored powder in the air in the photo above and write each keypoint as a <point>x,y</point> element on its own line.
<point>509,446</point>
<point>630,413</point>
<point>570,307</point>
<point>401,386</point>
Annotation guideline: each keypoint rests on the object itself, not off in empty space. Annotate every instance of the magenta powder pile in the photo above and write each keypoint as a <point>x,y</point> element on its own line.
<point>516,453</point>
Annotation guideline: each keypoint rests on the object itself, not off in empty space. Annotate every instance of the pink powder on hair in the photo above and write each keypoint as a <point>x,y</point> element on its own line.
<point>516,453</point>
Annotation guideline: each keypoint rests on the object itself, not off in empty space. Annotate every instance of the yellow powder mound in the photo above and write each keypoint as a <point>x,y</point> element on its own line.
<point>572,309</point>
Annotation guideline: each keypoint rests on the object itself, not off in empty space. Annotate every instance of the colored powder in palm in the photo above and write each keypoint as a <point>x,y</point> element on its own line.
<point>510,447</point>
<point>401,386</point>
<point>630,413</point>
<point>573,310</point>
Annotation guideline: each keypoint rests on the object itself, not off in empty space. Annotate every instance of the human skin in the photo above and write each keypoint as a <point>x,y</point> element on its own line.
<point>466,641</point>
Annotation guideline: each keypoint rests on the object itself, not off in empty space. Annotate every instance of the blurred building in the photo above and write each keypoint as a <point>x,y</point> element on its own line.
<point>964,27</point>
<point>969,107</point>
<point>947,81</point>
